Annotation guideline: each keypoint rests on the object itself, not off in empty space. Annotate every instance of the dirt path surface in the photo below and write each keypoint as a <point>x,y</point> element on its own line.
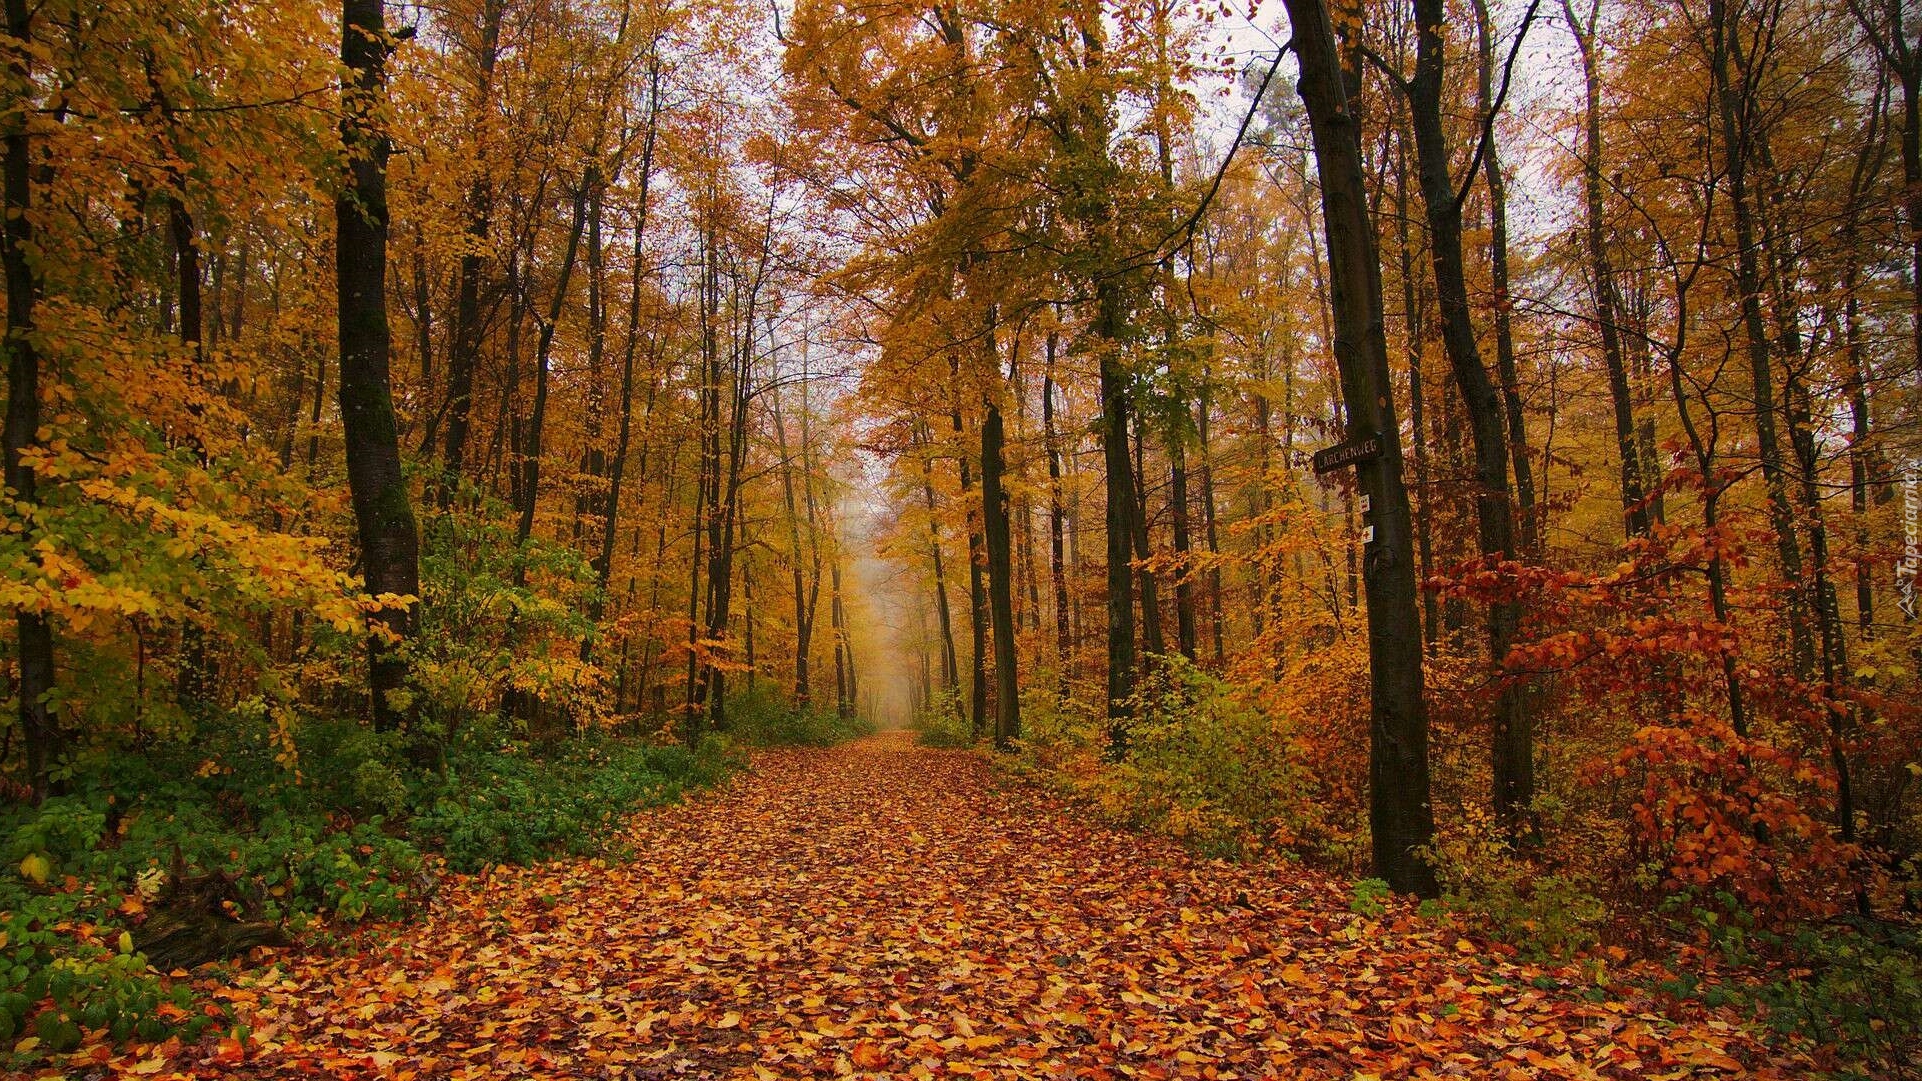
<point>880,909</point>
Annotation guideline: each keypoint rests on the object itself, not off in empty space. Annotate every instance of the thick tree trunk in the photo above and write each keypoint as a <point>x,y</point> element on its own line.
<point>1401,820</point>
<point>40,736</point>
<point>383,512</point>
<point>1120,490</point>
<point>994,516</point>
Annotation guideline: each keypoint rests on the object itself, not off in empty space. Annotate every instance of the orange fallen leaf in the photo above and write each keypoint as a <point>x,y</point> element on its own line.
<point>868,1056</point>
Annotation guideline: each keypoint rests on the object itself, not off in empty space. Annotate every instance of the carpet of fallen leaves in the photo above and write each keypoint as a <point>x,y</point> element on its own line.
<point>879,909</point>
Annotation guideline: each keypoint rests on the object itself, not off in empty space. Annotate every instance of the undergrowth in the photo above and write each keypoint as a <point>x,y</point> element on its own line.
<point>761,716</point>
<point>943,724</point>
<point>343,831</point>
<point>1204,763</point>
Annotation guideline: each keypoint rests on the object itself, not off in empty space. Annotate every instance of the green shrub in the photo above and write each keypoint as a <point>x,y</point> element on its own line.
<point>1546,914</point>
<point>335,832</point>
<point>1203,764</point>
<point>497,805</point>
<point>1369,900</point>
<point>761,716</point>
<point>1857,990</point>
<point>944,723</point>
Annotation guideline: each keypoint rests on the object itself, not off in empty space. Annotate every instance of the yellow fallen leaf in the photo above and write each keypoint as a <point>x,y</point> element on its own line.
<point>35,868</point>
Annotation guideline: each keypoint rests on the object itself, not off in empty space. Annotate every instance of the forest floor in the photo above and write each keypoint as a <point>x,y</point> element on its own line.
<point>883,909</point>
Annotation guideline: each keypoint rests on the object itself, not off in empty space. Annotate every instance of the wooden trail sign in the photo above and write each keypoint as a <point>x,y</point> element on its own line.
<point>1341,454</point>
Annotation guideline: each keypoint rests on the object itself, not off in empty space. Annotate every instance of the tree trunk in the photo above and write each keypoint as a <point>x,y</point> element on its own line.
<point>530,466</point>
<point>383,513</point>
<point>1057,520</point>
<point>41,738</point>
<point>1401,820</point>
<point>977,588</point>
<point>1153,642</point>
<point>617,469</point>
<point>463,354</point>
<point>1210,535</point>
<point>193,683</point>
<point>1518,452</point>
<point>1512,752</point>
<point>1412,338</point>
<point>1733,105</point>
<point>994,516</point>
<point>1185,633</point>
<point>950,663</point>
<point>1601,272</point>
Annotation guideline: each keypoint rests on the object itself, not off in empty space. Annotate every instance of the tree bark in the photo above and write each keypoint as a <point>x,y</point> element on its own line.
<point>617,469</point>
<point>531,442</point>
<point>977,587</point>
<point>1518,453</point>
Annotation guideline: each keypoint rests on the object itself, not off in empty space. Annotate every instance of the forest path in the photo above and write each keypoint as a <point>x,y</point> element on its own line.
<point>879,908</point>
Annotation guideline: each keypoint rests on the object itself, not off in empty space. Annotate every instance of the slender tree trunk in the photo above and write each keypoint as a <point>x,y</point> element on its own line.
<point>950,664</point>
<point>383,512</point>
<point>1210,535</point>
<point>803,627</point>
<point>843,663</point>
<point>617,469</point>
<point>530,489</point>
<point>1733,109</point>
<point>1153,642</point>
<point>1512,750</point>
<point>1401,819</point>
<point>463,354</point>
<point>1057,521</point>
<point>1601,272</point>
<point>1519,460</point>
<point>1185,631</point>
<point>193,683</point>
<point>1413,335</point>
<point>588,501</point>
